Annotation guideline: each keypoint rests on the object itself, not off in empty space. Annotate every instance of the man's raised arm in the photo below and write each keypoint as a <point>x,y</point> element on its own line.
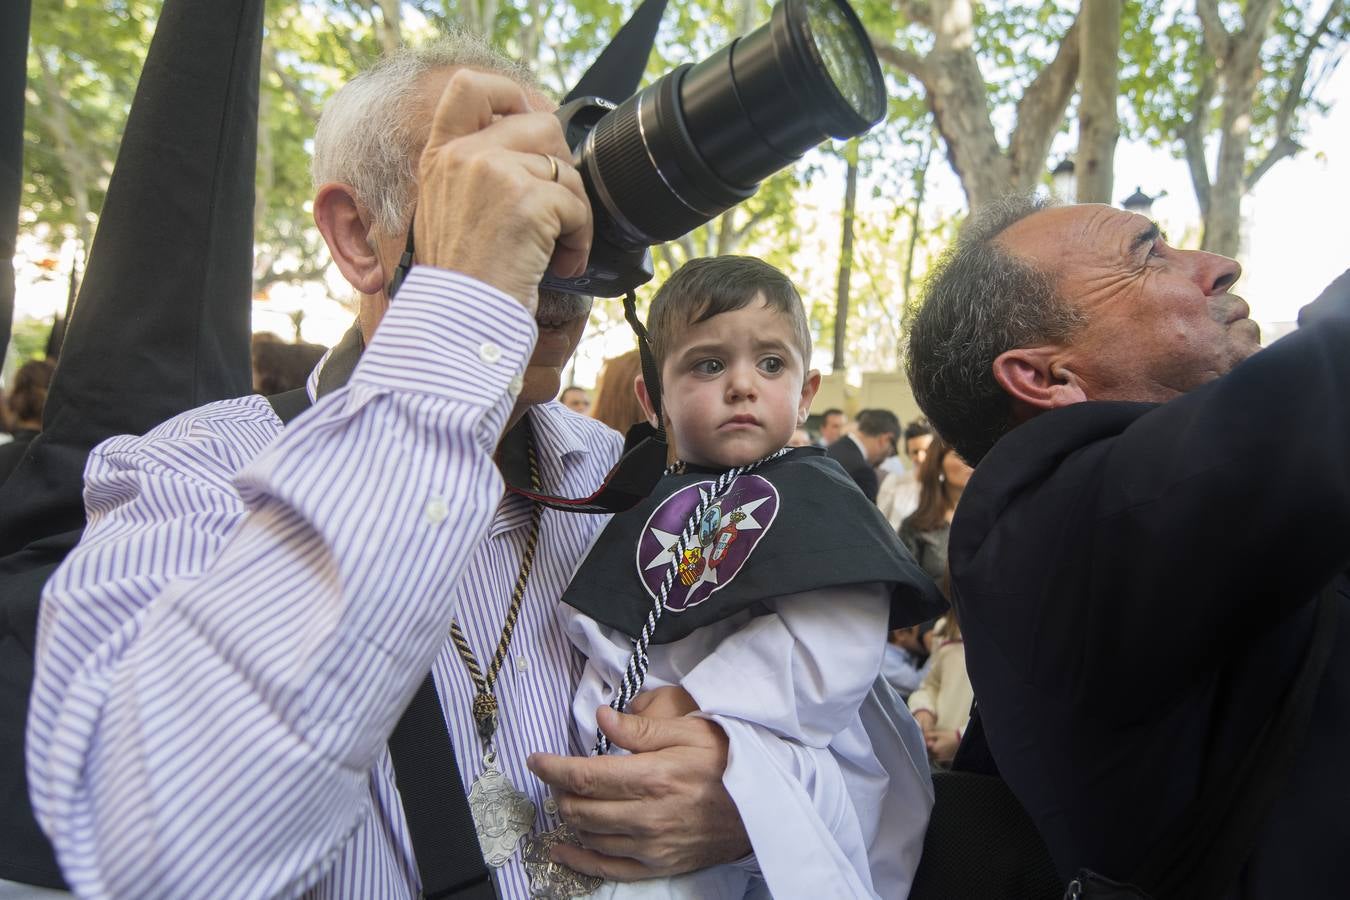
<point>222,659</point>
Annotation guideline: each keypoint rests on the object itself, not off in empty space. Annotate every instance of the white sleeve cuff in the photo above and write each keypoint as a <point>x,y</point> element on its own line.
<point>450,335</point>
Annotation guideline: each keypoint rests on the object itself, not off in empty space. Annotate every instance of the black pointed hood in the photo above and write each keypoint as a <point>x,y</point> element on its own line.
<point>617,71</point>
<point>13,80</point>
<point>161,325</point>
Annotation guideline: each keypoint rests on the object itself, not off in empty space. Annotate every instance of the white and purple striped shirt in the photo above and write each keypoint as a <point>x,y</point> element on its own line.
<point>221,659</point>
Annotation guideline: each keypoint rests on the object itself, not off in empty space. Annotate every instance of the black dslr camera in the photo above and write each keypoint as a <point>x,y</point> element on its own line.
<point>698,141</point>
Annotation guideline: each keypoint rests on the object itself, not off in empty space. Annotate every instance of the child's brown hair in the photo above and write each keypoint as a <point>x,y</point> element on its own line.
<point>703,288</point>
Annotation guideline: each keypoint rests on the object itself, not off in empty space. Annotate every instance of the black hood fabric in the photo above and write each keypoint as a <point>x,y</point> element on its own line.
<point>794,524</point>
<point>13,79</point>
<point>161,325</point>
<point>617,72</point>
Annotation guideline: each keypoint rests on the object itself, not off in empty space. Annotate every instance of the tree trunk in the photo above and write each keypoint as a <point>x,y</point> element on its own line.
<point>744,16</point>
<point>266,167</point>
<point>1098,126</point>
<point>920,187</point>
<point>957,95</point>
<point>529,35</point>
<point>74,159</point>
<point>1223,223</point>
<point>1239,65</point>
<point>845,254</point>
<point>728,237</point>
<point>390,28</point>
<point>960,105</point>
<point>1040,112</point>
<point>480,16</point>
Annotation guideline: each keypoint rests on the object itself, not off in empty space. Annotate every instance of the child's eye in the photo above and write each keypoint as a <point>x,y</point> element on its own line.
<point>771,364</point>
<point>708,366</point>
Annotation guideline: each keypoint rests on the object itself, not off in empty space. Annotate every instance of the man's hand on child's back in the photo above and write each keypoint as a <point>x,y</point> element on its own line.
<point>661,811</point>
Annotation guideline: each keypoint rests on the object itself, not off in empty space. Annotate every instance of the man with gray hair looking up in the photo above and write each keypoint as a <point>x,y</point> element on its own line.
<point>1149,562</point>
<point>223,658</point>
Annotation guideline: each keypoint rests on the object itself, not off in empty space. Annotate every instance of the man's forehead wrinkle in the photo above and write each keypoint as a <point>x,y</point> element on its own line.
<point>1104,235</point>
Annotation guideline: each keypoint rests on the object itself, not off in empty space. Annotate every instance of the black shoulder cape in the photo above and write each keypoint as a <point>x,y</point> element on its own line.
<point>795,524</point>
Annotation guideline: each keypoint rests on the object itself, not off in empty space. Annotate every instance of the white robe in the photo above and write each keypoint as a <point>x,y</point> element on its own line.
<point>825,765</point>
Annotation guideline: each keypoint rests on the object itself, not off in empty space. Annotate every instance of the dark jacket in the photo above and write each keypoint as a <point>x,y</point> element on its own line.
<point>1136,585</point>
<point>847,454</point>
<point>12,452</point>
<point>929,548</point>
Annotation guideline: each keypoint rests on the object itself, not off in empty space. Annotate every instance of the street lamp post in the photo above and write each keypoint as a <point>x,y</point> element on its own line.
<point>1062,181</point>
<point>1141,203</point>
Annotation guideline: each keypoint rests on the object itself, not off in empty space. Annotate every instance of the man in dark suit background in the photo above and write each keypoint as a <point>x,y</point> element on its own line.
<point>860,451</point>
<point>832,422</point>
<point>1138,558</point>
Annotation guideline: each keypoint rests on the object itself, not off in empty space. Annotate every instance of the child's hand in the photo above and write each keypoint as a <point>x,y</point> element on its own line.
<point>942,744</point>
<point>927,721</point>
<point>663,703</point>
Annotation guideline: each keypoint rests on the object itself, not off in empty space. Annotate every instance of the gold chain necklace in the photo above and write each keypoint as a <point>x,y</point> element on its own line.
<point>502,815</point>
<point>485,701</point>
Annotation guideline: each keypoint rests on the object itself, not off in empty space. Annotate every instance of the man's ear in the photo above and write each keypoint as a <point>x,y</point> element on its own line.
<point>809,387</point>
<point>1037,379</point>
<point>345,231</point>
<point>645,401</point>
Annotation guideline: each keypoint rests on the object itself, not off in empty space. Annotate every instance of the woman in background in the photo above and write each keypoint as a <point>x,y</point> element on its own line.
<point>24,405</point>
<point>942,479</point>
<point>616,403</point>
<point>941,704</point>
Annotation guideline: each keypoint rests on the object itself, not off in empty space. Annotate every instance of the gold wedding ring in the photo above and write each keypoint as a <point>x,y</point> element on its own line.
<point>553,166</point>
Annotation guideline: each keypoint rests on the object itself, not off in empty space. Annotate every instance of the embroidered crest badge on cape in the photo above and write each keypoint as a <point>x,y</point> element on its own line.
<point>724,538</point>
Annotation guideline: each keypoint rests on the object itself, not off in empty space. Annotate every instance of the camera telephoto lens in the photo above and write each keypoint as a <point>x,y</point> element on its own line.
<point>855,75</point>
<point>701,138</point>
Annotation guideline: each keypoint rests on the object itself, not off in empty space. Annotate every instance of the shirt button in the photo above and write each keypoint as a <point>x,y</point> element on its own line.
<point>550,806</point>
<point>436,510</point>
<point>516,385</point>
<point>522,664</point>
<point>489,352</point>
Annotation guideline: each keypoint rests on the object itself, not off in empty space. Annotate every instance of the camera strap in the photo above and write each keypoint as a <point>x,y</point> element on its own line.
<point>405,262</point>
<point>651,374</point>
<point>638,470</point>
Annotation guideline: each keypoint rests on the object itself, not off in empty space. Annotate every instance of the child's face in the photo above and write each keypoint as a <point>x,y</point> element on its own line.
<point>735,387</point>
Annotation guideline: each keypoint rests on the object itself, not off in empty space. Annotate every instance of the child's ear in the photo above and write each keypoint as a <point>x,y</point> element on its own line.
<point>645,401</point>
<point>810,385</point>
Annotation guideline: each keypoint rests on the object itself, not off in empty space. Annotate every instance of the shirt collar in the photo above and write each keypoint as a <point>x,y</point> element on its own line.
<point>312,382</point>
<point>560,446</point>
<point>558,429</point>
<point>859,444</point>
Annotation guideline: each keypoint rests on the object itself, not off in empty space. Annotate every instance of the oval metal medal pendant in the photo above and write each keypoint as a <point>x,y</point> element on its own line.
<point>502,815</point>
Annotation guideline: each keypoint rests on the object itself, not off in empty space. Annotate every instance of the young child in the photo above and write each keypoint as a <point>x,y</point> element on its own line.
<point>941,704</point>
<point>908,654</point>
<point>765,582</point>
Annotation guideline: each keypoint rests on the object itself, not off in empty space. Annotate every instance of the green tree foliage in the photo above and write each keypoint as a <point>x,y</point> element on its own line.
<point>996,77</point>
<point>29,341</point>
<point>82,70</point>
<point>1230,89</point>
<point>988,85</point>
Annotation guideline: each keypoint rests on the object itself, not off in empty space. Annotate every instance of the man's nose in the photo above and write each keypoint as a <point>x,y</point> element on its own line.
<point>1214,273</point>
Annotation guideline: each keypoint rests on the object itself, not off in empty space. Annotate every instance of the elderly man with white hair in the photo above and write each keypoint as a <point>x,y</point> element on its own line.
<point>222,660</point>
